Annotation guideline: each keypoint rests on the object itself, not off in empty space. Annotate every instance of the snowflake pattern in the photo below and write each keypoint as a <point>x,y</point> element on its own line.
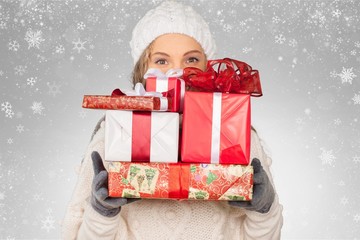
<point>60,49</point>
<point>280,38</point>
<point>327,157</point>
<point>79,45</point>
<point>356,99</point>
<point>7,108</point>
<point>31,81</point>
<point>37,108</point>
<point>19,128</point>
<point>34,38</point>
<point>14,45</point>
<point>54,89</point>
<point>347,75</point>
<point>48,223</point>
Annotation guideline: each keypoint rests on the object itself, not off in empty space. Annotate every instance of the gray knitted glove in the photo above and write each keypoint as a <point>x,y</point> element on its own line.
<point>263,191</point>
<point>100,200</point>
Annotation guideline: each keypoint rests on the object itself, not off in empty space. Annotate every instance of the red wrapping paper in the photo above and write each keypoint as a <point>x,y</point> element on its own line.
<point>152,85</point>
<point>198,144</point>
<point>180,181</point>
<point>139,103</point>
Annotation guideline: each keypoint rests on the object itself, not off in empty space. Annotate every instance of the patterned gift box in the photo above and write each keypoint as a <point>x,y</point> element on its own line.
<point>139,103</point>
<point>216,128</point>
<point>181,181</point>
<point>141,136</point>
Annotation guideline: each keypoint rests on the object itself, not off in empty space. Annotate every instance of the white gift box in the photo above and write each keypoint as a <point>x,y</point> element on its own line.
<point>141,136</point>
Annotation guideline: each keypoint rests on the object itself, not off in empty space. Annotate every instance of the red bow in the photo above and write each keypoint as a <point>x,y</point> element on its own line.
<point>231,76</point>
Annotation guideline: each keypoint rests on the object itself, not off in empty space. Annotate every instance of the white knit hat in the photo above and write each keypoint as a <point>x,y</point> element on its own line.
<point>171,17</point>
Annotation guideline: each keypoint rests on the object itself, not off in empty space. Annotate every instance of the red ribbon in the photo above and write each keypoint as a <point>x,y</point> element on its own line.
<point>231,76</point>
<point>141,137</point>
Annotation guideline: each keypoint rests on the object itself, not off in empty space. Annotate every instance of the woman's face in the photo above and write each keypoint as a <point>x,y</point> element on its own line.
<point>171,51</point>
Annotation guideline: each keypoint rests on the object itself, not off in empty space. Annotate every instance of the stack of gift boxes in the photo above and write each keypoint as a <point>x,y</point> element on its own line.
<point>153,154</point>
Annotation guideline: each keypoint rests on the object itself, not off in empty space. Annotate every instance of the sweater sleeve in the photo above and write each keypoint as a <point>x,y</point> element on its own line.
<point>268,225</point>
<point>81,221</point>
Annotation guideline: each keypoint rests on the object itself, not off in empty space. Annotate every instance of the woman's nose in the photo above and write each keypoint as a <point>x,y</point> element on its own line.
<point>178,65</point>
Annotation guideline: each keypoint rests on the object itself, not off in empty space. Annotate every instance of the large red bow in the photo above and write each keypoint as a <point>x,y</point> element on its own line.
<point>231,76</point>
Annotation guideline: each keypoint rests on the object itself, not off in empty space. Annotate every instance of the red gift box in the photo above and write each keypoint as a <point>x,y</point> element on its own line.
<point>139,103</point>
<point>156,81</point>
<point>181,181</point>
<point>119,101</point>
<point>216,128</point>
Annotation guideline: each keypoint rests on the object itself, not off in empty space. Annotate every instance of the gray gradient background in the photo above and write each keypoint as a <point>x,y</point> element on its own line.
<point>308,55</point>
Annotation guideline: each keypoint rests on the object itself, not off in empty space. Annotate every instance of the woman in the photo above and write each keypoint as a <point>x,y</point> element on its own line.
<point>168,37</point>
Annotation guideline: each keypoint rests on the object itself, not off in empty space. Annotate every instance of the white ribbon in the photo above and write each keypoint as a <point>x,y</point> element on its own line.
<point>216,127</point>
<point>139,90</point>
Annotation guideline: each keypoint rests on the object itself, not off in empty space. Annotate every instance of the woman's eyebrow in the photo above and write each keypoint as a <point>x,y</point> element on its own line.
<point>161,53</point>
<point>193,51</point>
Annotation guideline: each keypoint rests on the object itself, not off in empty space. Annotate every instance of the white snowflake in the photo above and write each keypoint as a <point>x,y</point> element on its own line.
<point>333,74</point>
<point>327,157</point>
<point>357,218</point>
<point>293,43</point>
<point>7,108</point>
<point>106,66</point>
<point>356,99</point>
<point>3,25</point>
<point>10,141</point>
<point>344,200</point>
<point>48,223</point>
<point>334,47</point>
<point>81,25</point>
<point>37,108</point>
<point>336,13</point>
<point>357,44</point>
<point>347,75</point>
<point>275,19</point>
<point>257,9</point>
<point>89,57</point>
<point>79,45</point>
<point>19,128</point>
<point>337,121</point>
<point>14,46</point>
<point>280,39</point>
<point>82,114</point>
<point>20,70</point>
<point>356,159</point>
<point>34,38</point>
<point>1,73</point>
<point>227,27</point>
<point>31,81</point>
<point>54,89</point>
<point>60,49</point>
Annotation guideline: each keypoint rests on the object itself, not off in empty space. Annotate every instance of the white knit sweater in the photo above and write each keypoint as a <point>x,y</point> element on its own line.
<point>167,219</point>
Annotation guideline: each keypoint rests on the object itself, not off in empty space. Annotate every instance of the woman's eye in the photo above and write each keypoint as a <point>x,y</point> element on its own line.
<point>161,61</point>
<point>192,60</point>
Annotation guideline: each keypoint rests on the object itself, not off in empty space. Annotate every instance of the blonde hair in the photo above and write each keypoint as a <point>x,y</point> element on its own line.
<point>141,67</point>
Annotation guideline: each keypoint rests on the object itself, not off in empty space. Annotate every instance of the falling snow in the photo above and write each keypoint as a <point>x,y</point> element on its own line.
<point>34,38</point>
<point>37,108</point>
<point>327,157</point>
<point>347,75</point>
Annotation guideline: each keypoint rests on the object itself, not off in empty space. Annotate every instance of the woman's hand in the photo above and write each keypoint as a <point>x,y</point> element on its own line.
<point>100,200</point>
<point>263,191</point>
